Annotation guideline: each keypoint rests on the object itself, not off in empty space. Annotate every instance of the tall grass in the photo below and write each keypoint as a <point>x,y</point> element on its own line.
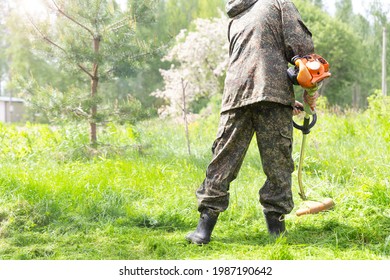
<point>134,197</point>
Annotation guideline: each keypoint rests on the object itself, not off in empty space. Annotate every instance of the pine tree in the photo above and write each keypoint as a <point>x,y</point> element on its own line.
<point>99,40</point>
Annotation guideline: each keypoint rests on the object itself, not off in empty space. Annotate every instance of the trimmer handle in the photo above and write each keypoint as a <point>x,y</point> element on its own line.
<point>307,125</point>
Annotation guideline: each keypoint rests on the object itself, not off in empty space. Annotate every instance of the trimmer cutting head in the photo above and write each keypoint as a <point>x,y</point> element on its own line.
<point>314,207</point>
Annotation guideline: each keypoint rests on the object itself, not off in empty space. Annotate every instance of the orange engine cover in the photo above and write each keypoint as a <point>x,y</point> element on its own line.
<point>312,69</point>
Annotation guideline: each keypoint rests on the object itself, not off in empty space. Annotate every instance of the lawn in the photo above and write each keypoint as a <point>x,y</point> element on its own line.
<point>134,197</point>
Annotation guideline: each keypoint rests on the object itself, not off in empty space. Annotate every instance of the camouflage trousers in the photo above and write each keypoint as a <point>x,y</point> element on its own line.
<point>272,124</point>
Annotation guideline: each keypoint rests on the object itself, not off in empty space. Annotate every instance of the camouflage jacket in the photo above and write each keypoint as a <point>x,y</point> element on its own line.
<point>263,35</point>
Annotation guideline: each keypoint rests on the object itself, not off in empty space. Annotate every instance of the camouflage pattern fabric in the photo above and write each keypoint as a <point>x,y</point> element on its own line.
<point>272,125</point>
<point>234,7</point>
<point>264,36</point>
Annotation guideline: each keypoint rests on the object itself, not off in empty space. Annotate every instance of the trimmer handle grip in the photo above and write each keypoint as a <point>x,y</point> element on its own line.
<point>307,125</point>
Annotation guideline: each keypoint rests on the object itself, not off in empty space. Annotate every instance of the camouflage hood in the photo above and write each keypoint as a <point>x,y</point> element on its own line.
<point>235,7</point>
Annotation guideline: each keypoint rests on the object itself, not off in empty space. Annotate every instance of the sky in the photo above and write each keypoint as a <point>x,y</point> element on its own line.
<point>359,6</point>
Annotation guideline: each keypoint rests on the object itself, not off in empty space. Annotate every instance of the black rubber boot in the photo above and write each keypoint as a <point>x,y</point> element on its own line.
<point>275,223</point>
<point>202,234</point>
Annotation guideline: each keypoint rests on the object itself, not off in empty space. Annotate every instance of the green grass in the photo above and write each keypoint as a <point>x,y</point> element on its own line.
<point>135,197</point>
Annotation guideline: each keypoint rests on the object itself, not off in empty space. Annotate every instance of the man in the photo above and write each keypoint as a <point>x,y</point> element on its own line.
<point>264,36</point>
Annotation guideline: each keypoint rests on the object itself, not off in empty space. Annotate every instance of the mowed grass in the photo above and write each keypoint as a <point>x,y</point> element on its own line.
<point>134,198</point>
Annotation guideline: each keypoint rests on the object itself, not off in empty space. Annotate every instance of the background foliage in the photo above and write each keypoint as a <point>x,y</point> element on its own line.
<point>351,42</point>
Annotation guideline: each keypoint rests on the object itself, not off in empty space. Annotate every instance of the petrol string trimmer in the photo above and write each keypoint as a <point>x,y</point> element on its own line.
<point>309,72</point>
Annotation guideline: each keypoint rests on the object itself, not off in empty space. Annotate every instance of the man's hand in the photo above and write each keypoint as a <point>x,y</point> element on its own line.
<point>298,108</point>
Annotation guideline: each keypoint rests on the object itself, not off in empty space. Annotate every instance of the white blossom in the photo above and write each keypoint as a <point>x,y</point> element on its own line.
<point>199,61</point>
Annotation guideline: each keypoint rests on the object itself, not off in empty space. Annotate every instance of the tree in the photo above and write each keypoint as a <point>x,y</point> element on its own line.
<point>181,13</point>
<point>344,10</point>
<point>97,39</point>
<point>171,17</point>
<point>318,3</point>
<point>381,17</point>
<point>199,59</point>
<point>346,51</point>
